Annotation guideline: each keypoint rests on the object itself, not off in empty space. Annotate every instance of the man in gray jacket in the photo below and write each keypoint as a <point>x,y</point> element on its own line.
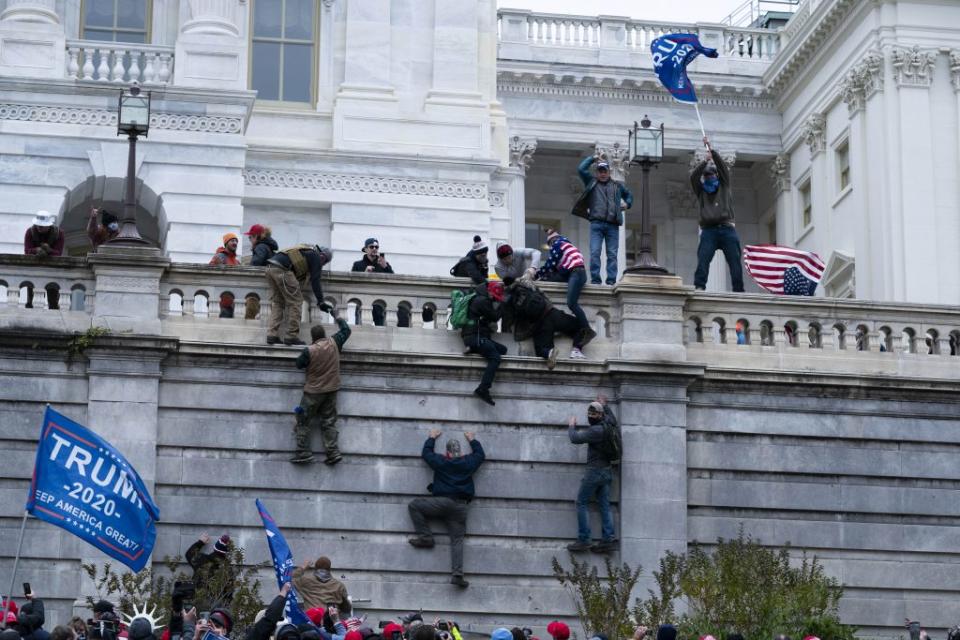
<point>602,202</point>
<point>710,180</point>
<point>598,478</point>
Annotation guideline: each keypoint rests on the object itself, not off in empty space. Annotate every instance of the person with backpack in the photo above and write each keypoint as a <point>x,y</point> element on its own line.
<point>604,445</point>
<point>482,311</point>
<point>536,317</point>
<point>474,264</point>
<point>288,273</point>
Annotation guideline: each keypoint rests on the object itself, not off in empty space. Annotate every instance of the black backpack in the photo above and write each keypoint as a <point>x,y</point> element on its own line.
<point>459,270</point>
<point>612,445</point>
<point>529,302</point>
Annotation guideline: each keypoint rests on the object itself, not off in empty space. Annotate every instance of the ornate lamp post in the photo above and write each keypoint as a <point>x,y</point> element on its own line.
<point>645,146</point>
<point>133,120</point>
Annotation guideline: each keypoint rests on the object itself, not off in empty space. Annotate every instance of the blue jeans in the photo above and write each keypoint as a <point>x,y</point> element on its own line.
<point>601,232</point>
<point>595,482</point>
<point>575,282</point>
<point>725,238</point>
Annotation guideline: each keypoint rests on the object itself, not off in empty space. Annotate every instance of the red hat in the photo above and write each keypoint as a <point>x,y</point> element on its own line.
<point>255,230</point>
<point>12,604</point>
<point>559,630</point>
<point>503,250</point>
<point>316,615</point>
<point>353,635</point>
<point>389,630</point>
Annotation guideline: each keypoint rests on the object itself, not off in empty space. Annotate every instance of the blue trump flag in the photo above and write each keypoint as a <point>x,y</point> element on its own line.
<point>671,55</point>
<point>82,484</point>
<point>282,565</point>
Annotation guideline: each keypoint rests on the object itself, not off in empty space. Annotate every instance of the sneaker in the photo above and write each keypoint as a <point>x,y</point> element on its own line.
<point>421,542</point>
<point>576,354</point>
<point>596,282</point>
<point>292,342</point>
<point>273,340</point>
<point>332,460</point>
<point>605,546</point>
<point>586,336</point>
<point>700,288</point>
<point>459,581</point>
<point>578,546</point>
<point>467,351</point>
<point>484,394</point>
<point>552,358</point>
<point>302,457</point>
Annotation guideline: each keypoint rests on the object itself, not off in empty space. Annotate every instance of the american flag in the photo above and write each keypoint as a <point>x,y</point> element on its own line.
<point>783,270</point>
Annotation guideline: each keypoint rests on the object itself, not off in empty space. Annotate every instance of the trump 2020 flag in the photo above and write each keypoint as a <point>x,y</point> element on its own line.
<point>82,484</point>
<point>282,565</point>
<point>783,270</point>
<point>671,55</point>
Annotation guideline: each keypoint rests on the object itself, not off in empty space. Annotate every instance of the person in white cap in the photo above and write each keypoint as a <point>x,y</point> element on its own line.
<point>44,238</point>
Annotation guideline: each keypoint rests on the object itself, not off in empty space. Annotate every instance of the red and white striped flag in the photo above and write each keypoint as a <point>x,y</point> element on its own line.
<point>783,270</point>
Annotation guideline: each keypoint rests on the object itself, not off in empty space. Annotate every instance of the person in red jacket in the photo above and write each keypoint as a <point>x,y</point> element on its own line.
<point>44,238</point>
<point>227,254</point>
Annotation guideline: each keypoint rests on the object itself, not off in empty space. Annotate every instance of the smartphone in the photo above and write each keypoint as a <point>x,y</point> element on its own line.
<point>26,589</point>
<point>383,255</point>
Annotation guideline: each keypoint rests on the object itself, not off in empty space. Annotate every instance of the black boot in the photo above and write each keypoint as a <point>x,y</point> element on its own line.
<point>484,394</point>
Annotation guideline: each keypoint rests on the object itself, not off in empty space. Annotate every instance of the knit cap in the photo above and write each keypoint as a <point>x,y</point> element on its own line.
<point>503,250</point>
<point>479,246</point>
<point>222,545</point>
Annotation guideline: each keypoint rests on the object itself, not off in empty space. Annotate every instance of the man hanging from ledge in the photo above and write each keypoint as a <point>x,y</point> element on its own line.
<point>318,406</point>
<point>287,274</point>
<point>710,180</point>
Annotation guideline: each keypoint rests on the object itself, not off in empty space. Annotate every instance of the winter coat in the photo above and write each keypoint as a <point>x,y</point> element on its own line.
<point>34,237</point>
<point>592,435</point>
<point>484,311</point>
<point>263,251</point>
<point>205,564</point>
<point>224,257</point>
<point>266,625</point>
<point>468,267</point>
<point>315,264</point>
<point>31,616</point>
<point>582,208</point>
<point>365,261</point>
<point>523,259</point>
<point>715,208</point>
<point>453,477</point>
<point>318,589</point>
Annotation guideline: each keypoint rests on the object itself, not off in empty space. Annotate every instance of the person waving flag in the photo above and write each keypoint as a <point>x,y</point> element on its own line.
<point>783,270</point>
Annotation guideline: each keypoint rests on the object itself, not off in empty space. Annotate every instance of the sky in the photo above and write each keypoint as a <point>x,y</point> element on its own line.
<point>675,10</point>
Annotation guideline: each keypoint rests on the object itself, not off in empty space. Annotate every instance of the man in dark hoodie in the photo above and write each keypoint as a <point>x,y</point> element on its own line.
<point>710,180</point>
<point>262,245</point>
<point>474,265</point>
<point>208,567</point>
<point>318,587</point>
<point>452,490</point>
<point>483,313</point>
<point>598,478</point>
<point>31,618</point>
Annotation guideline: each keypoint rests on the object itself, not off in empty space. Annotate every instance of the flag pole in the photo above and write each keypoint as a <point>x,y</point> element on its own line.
<point>696,105</point>
<point>16,561</point>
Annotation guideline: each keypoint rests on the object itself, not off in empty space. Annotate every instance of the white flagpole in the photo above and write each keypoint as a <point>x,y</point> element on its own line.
<point>696,105</point>
<point>16,561</point>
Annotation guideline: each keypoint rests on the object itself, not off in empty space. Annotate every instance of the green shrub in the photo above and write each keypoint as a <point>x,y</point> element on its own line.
<point>603,604</point>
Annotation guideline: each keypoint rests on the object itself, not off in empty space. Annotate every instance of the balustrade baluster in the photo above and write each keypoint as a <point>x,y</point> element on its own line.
<point>73,65</point>
<point>87,64</point>
<point>150,68</point>
<point>103,69</point>
<point>165,71</point>
<point>117,73</point>
<point>134,71</point>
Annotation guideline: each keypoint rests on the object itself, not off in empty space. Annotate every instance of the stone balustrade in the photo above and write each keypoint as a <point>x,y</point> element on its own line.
<point>557,30</point>
<point>119,62</point>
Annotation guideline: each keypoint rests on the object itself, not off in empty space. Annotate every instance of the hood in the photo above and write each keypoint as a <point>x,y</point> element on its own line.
<point>323,575</point>
<point>270,242</point>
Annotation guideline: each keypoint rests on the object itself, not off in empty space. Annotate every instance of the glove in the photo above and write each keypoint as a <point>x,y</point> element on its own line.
<point>325,307</point>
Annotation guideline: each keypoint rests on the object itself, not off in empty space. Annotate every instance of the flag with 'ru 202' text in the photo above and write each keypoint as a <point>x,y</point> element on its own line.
<point>671,55</point>
<point>282,565</point>
<point>82,484</point>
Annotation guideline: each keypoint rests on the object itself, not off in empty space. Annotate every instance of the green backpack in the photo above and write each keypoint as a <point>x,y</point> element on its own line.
<point>459,305</point>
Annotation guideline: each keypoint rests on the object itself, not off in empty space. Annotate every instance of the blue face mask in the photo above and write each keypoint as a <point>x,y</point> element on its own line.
<point>711,184</point>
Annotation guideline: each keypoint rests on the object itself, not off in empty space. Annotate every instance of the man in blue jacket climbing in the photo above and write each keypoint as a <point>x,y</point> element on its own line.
<point>452,490</point>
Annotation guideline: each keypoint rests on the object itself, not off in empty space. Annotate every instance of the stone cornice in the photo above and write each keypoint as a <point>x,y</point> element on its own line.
<point>805,42</point>
<point>108,118</point>
<point>530,85</point>
<point>366,184</point>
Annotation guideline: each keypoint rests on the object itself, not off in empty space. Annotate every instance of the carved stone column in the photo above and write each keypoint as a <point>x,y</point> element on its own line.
<point>210,52</point>
<point>521,157</point>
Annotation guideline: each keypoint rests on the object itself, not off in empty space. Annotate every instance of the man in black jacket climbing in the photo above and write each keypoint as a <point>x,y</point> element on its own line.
<point>213,575</point>
<point>452,490</point>
<point>484,312</point>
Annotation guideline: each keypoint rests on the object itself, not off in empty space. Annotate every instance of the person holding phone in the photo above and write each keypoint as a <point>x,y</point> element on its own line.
<point>373,262</point>
<point>31,618</point>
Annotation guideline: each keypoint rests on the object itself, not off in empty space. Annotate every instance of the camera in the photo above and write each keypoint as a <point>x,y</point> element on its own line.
<point>443,625</point>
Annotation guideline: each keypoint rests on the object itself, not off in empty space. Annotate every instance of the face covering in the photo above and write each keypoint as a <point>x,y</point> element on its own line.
<point>113,226</point>
<point>710,185</point>
<point>594,419</point>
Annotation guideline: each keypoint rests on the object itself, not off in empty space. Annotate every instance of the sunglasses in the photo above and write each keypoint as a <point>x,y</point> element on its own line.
<point>373,246</point>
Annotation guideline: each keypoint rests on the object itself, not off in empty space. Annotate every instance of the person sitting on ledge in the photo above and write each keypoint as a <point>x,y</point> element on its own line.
<point>103,231</point>
<point>535,316</point>
<point>227,254</point>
